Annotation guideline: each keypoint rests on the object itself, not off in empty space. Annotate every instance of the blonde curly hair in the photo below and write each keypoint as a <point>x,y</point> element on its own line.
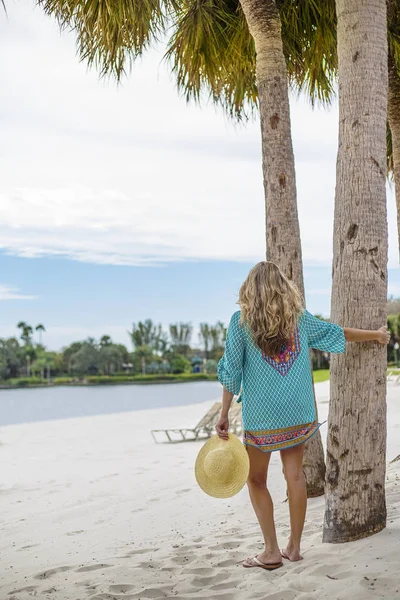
<point>270,307</point>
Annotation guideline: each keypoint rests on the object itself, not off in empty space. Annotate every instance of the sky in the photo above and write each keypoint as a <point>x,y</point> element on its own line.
<point>120,203</point>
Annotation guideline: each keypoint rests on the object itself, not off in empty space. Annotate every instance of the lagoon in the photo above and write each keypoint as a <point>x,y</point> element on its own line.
<point>46,404</point>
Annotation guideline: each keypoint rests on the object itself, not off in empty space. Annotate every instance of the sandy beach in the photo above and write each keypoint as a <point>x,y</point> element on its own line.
<point>92,508</point>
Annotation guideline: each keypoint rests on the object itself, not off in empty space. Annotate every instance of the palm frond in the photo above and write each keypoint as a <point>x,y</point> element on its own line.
<point>110,34</point>
<point>309,40</point>
<point>393,17</point>
<point>212,53</point>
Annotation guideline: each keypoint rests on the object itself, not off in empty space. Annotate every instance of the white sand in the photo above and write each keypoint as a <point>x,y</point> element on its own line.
<point>91,508</point>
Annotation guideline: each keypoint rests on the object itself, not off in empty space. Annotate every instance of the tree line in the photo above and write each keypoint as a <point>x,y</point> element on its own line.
<point>154,350</point>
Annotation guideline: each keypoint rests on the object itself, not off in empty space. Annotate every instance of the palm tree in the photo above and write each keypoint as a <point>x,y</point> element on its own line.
<point>144,353</point>
<point>26,332</point>
<point>241,53</point>
<point>205,338</point>
<point>41,329</point>
<point>355,487</point>
<point>146,333</point>
<point>181,334</point>
<point>393,8</point>
<point>105,340</point>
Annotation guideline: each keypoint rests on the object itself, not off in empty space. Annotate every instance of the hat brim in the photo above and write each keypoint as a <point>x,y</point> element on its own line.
<point>219,489</point>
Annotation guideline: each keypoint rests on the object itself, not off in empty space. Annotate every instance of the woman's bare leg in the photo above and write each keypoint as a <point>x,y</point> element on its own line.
<point>292,461</point>
<point>262,504</point>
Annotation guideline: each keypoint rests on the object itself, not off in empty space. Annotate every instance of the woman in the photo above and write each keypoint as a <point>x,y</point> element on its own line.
<point>267,361</point>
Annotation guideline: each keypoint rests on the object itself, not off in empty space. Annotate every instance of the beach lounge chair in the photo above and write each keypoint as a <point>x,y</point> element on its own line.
<point>393,378</point>
<point>205,428</point>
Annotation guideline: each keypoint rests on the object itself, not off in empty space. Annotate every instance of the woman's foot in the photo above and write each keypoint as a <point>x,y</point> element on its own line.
<point>268,564</point>
<point>291,553</point>
<point>267,557</point>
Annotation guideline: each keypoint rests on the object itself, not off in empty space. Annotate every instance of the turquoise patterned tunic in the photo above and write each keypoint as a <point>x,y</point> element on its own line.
<point>276,392</point>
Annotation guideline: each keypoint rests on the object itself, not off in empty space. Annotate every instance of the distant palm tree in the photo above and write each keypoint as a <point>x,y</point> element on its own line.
<point>105,340</point>
<point>41,329</point>
<point>26,332</point>
<point>205,337</point>
<point>180,334</point>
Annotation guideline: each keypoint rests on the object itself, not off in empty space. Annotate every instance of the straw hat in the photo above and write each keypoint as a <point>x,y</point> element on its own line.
<point>222,467</point>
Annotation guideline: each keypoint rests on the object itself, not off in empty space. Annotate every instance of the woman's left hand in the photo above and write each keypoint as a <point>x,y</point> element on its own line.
<point>383,335</point>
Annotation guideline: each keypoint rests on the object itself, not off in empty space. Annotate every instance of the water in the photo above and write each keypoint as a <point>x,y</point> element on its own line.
<point>46,404</point>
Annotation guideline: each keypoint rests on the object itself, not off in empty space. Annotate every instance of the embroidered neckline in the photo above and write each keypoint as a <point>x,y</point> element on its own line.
<point>284,361</point>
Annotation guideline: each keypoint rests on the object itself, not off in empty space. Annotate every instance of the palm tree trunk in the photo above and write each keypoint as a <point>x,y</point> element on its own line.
<point>394,122</point>
<point>356,454</point>
<point>283,241</point>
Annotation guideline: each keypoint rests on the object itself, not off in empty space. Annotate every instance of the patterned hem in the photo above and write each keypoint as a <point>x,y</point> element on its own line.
<point>279,439</point>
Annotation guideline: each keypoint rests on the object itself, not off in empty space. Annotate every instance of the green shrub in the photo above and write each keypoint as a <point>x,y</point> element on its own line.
<point>112,379</point>
<point>26,381</point>
<point>180,364</point>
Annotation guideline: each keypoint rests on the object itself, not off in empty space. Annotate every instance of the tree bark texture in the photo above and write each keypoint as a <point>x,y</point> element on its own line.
<point>283,241</point>
<point>356,448</point>
<point>394,122</point>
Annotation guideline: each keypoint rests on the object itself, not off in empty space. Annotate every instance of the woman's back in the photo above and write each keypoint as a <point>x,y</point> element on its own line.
<point>276,391</point>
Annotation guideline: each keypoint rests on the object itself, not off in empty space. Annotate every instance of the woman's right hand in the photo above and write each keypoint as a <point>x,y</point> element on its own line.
<point>222,428</point>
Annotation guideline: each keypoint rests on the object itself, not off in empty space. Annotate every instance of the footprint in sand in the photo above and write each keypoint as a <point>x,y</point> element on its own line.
<point>92,568</point>
<point>183,560</point>
<point>226,546</point>
<point>227,596</point>
<point>121,588</point>
<point>51,572</point>
<point>141,551</point>
<point>27,547</point>
<point>197,571</point>
<point>222,586</point>
<point>75,532</point>
<point>152,593</point>
<point>203,582</point>
<point>111,597</point>
<point>284,595</point>
<point>233,561</point>
<point>187,548</point>
<point>29,589</point>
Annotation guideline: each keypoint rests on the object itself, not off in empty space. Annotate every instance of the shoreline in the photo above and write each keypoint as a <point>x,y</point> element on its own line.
<point>102,381</point>
<point>319,375</point>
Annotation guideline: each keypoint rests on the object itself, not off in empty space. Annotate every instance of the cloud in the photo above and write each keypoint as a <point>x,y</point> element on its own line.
<point>131,174</point>
<point>110,227</point>
<point>9,292</point>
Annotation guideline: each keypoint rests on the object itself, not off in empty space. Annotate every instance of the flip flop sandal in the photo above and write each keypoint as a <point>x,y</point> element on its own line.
<point>255,562</point>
